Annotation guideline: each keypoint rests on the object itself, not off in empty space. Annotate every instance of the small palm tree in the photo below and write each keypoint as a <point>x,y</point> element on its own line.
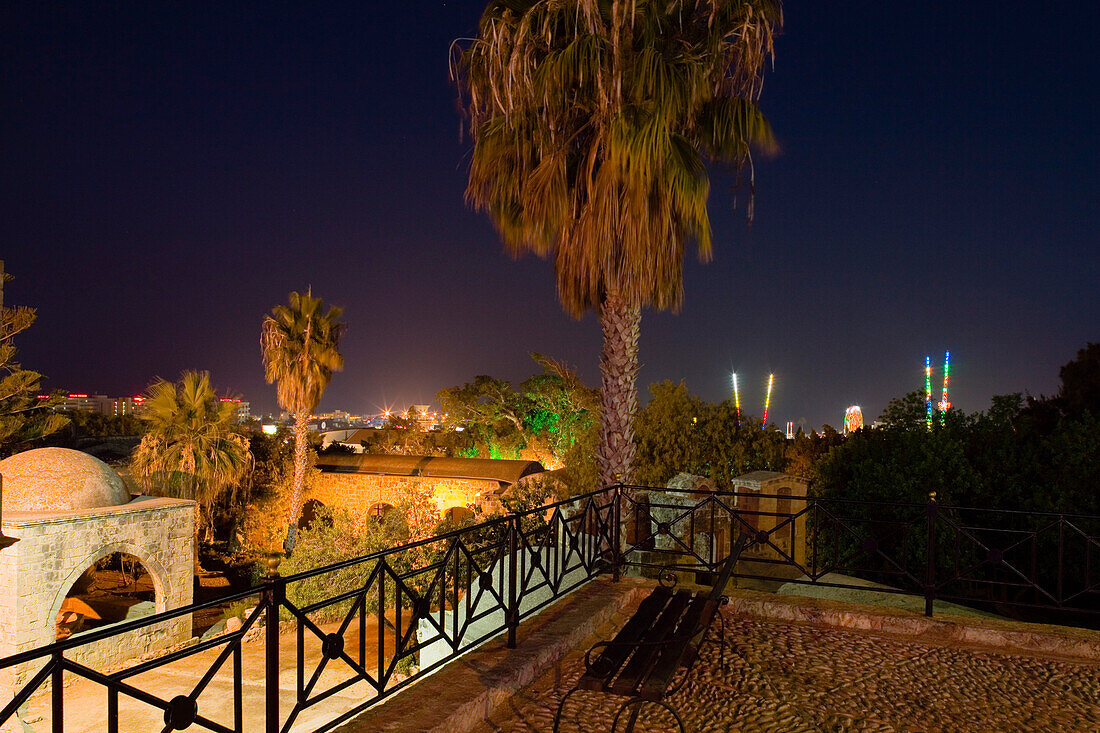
<point>592,122</point>
<point>300,345</point>
<point>191,449</point>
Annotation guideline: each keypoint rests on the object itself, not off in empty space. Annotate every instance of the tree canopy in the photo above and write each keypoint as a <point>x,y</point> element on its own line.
<point>551,417</point>
<point>678,432</point>
<point>300,345</point>
<point>591,123</point>
<point>1038,454</point>
<point>191,448</point>
<point>23,417</point>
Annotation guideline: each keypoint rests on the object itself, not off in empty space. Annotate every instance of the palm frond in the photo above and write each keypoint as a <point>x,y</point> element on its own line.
<point>592,123</point>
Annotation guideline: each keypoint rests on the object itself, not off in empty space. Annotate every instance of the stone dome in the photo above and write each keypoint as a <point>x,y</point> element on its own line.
<point>57,480</point>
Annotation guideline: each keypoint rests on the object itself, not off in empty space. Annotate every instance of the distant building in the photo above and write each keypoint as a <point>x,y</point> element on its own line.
<point>243,412</point>
<point>325,424</point>
<point>853,419</point>
<point>104,405</point>
<point>774,502</point>
<point>126,406</point>
<point>82,401</point>
<point>119,406</point>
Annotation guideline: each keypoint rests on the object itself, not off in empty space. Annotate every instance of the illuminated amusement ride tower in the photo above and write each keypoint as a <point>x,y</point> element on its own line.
<point>767,399</point>
<point>943,405</point>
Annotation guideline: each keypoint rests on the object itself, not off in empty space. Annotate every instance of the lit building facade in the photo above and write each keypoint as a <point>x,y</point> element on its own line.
<point>244,413</point>
<point>119,406</point>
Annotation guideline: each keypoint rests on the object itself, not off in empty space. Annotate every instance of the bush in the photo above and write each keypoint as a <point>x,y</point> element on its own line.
<point>335,536</point>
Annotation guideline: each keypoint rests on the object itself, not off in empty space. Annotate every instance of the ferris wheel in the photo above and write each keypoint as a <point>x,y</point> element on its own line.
<point>853,419</point>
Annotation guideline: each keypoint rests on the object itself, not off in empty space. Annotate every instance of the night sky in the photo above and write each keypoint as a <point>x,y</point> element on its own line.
<point>171,171</point>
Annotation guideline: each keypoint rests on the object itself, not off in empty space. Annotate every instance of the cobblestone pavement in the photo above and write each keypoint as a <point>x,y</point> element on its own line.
<point>790,678</point>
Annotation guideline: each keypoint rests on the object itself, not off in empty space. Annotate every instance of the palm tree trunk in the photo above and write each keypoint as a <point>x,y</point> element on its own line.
<point>618,372</point>
<point>301,461</point>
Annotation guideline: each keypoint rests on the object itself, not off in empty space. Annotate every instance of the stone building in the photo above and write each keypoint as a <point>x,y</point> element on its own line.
<point>769,499</point>
<point>666,519</point>
<point>68,510</point>
<point>370,484</point>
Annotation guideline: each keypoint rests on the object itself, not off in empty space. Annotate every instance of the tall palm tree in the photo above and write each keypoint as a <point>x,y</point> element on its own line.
<point>592,122</point>
<point>301,351</point>
<point>191,449</point>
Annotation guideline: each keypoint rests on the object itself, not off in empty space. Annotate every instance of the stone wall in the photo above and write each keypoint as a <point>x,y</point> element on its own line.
<point>54,549</point>
<point>359,492</point>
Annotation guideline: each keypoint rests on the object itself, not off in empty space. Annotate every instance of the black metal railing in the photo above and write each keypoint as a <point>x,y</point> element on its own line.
<point>1040,566</point>
<point>340,638</point>
<point>420,604</point>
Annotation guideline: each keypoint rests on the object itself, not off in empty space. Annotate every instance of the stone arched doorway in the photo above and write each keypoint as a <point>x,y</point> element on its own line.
<point>157,577</point>
<point>311,510</point>
<point>117,587</point>
<point>379,510</point>
<point>458,514</point>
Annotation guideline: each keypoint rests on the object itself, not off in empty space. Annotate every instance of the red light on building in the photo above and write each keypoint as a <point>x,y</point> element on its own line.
<point>227,399</point>
<point>43,397</point>
<point>78,395</point>
<point>138,399</point>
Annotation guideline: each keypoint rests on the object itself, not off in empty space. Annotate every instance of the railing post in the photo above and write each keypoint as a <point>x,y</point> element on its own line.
<point>512,614</point>
<point>57,693</point>
<point>930,560</point>
<point>616,537</point>
<point>1061,554</point>
<point>274,589</point>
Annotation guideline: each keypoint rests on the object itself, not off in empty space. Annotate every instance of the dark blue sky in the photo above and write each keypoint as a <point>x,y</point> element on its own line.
<point>170,172</point>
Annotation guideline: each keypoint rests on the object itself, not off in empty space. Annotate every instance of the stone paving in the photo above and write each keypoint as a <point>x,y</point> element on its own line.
<point>794,677</point>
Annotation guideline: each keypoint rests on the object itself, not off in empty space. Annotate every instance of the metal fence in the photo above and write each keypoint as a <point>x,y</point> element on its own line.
<point>1045,566</point>
<point>374,624</point>
<point>431,600</point>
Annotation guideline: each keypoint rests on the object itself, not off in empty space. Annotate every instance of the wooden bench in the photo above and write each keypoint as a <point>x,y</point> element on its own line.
<point>663,636</point>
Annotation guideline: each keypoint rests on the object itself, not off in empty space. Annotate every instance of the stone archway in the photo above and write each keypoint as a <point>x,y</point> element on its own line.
<point>457,514</point>
<point>117,587</point>
<point>378,510</point>
<point>155,570</point>
<point>311,509</point>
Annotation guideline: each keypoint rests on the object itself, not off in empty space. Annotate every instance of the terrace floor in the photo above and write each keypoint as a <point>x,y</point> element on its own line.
<point>790,676</point>
<point>797,677</point>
